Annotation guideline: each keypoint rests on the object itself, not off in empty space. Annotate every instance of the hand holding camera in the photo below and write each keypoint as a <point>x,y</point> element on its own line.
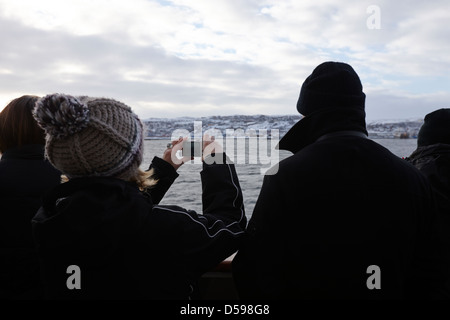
<point>171,151</point>
<point>190,150</point>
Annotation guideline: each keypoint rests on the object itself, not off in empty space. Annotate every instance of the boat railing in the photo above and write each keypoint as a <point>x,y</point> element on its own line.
<point>218,284</point>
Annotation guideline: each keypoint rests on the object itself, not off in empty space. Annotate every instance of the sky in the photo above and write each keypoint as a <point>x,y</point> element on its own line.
<point>173,58</point>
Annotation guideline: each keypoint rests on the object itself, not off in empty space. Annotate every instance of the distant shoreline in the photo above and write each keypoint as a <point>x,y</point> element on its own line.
<point>163,129</point>
<point>370,137</point>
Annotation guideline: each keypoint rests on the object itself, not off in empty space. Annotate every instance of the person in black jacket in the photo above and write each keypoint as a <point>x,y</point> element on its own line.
<point>24,178</point>
<point>432,158</point>
<point>103,234</point>
<point>342,217</point>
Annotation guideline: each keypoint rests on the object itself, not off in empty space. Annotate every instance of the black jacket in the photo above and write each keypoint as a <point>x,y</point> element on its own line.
<point>340,204</point>
<point>434,162</point>
<point>24,177</point>
<point>129,247</point>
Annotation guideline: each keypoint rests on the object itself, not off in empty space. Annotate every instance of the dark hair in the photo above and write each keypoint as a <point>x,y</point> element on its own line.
<point>17,125</point>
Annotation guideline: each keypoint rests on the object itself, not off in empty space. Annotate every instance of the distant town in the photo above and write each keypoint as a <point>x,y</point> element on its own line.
<point>250,125</point>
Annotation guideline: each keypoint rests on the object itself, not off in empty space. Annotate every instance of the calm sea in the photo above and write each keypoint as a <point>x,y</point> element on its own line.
<point>186,191</point>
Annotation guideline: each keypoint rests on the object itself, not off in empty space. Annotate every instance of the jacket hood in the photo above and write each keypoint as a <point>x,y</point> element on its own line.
<point>310,128</point>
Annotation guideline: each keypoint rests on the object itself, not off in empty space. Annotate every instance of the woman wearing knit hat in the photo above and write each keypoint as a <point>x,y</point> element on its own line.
<point>107,221</point>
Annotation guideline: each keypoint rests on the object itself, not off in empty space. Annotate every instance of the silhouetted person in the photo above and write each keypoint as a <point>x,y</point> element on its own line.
<point>342,216</point>
<point>24,177</point>
<point>107,220</point>
<point>432,158</point>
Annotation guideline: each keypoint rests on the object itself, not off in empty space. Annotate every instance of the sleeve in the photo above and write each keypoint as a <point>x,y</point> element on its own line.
<point>213,236</point>
<point>165,174</point>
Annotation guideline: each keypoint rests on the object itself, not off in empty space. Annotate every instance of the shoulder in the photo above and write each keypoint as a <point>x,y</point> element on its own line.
<point>98,189</point>
<point>351,155</point>
<point>98,199</point>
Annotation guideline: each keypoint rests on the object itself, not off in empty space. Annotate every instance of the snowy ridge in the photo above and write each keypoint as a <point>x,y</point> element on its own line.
<point>163,128</point>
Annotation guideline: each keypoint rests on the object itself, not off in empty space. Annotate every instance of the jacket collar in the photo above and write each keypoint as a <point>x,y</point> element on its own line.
<point>322,123</point>
<point>341,134</point>
<point>424,151</point>
<point>28,151</point>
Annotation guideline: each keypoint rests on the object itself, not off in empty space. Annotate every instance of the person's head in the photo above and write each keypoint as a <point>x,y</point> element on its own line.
<point>331,85</point>
<point>435,129</point>
<point>92,137</point>
<point>17,125</point>
<point>331,100</point>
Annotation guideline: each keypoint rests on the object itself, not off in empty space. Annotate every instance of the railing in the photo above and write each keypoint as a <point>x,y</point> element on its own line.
<point>218,283</point>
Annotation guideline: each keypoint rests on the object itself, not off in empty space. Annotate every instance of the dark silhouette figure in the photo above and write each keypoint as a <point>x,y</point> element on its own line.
<point>24,177</point>
<point>342,217</point>
<point>103,234</point>
<point>432,158</point>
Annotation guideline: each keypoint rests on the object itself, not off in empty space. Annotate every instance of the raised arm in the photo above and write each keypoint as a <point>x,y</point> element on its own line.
<point>165,174</point>
<point>209,238</point>
<point>164,170</point>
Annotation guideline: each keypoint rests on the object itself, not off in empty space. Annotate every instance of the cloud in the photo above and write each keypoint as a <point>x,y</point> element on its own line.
<point>387,105</point>
<point>181,57</point>
<point>144,77</point>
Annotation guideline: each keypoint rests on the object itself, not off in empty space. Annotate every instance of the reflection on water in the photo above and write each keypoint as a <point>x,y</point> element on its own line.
<point>186,191</point>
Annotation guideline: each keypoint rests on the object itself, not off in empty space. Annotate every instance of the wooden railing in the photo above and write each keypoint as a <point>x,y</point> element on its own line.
<point>218,283</point>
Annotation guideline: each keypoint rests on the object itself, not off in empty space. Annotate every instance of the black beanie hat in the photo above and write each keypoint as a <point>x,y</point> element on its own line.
<point>331,85</point>
<point>435,129</point>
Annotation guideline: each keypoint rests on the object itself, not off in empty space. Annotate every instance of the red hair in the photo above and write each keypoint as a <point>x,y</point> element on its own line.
<point>17,125</point>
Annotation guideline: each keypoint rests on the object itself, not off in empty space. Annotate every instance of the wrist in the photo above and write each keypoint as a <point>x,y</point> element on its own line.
<point>163,166</point>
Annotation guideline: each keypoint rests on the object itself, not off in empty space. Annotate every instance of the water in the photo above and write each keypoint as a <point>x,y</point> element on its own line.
<point>186,190</point>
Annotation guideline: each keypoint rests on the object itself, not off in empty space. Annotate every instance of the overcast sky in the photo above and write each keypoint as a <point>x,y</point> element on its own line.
<point>173,58</point>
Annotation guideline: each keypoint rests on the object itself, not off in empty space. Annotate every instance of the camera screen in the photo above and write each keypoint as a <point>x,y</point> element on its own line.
<point>192,149</point>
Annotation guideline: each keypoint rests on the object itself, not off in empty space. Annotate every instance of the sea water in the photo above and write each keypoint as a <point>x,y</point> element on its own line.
<point>186,191</point>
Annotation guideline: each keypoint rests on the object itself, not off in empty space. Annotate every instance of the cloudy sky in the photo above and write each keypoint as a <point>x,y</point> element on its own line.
<point>169,58</point>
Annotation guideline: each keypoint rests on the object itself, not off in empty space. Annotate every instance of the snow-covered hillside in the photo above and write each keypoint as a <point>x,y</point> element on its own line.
<point>165,128</point>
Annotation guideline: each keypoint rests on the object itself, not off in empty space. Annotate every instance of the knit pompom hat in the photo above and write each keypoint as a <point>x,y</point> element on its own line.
<point>90,136</point>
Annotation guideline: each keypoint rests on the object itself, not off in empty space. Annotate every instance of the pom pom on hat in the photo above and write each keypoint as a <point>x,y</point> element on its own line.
<point>61,115</point>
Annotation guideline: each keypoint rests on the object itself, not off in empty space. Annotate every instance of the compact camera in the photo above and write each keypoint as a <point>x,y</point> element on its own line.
<point>192,149</point>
